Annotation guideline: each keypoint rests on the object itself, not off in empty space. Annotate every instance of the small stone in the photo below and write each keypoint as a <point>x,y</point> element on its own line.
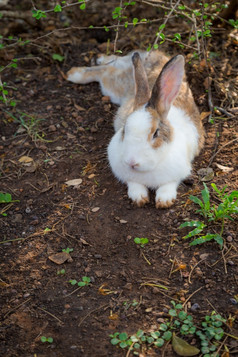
<point>128,286</point>
<point>52,128</point>
<point>26,295</point>
<point>204,256</point>
<point>17,218</point>
<point>229,239</point>
<point>28,210</point>
<point>195,307</point>
<point>97,256</point>
<point>230,262</point>
<point>122,221</point>
<point>98,273</point>
<point>95,209</point>
<point>233,301</point>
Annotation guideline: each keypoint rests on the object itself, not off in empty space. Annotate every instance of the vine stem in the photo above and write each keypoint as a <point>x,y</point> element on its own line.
<point>165,22</point>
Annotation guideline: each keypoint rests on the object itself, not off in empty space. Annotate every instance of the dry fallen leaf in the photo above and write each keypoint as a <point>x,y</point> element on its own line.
<point>25,159</point>
<point>204,115</point>
<point>75,182</point>
<point>60,258</point>
<point>95,209</point>
<point>182,348</point>
<point>224,168</point>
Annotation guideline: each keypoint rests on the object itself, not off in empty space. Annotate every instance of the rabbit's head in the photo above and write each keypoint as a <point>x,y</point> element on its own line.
<point>147,130</point>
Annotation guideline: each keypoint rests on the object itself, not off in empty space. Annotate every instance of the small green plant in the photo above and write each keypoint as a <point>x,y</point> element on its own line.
<point>68,250</point>
<point>84,282</point>
<point>46,339</point>
<point>57,57</point>
<point>141,241</point>
<point>226,209</point>
<point>210,331</point>
<point>6,198</point>
<point>31,124</point>
<point>61,272</point>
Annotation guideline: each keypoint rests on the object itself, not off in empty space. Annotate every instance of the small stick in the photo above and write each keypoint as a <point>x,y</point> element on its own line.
<point>165,22</point>
<point>131,347</point>
<point>196,291</point>
<point>49,313</point>
<point>98,308</point>
<point>221,148</point>
<point>190,274</point>
<point>15,308</point>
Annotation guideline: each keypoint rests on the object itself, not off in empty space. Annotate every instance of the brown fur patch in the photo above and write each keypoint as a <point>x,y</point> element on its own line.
<point>165,130</point>
<point>166,204</point>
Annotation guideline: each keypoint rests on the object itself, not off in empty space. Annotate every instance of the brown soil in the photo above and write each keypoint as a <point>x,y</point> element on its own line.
<point>96,218</point>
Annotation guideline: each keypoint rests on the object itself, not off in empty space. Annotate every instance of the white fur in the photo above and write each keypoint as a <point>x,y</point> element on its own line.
<point>161,169</point>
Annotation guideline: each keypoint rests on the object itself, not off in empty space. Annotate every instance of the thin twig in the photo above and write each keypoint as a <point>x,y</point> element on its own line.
<point>49,313</point>
<point>130,349</point>
<point>164,23</point>
<point>196,291</point>
<point>15,308</point>
<point>190,274</point>
<point>91,312</point>
<point>221,148</point>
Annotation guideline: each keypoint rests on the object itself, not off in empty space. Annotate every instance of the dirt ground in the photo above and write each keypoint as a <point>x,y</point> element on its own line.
<point>70,128</point>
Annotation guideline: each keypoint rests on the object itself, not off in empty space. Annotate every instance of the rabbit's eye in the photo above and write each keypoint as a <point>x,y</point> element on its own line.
<point>156,134</point>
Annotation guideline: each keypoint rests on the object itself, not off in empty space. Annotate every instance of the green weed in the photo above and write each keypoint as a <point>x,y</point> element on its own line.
<point>141,241</point>
<point>225,209</point>
<point>84,282</point>
<point>46,339</point>
<point>209,332</point>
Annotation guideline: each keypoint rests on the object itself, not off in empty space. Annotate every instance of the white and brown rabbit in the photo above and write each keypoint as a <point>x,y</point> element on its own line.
<point>158,131</point>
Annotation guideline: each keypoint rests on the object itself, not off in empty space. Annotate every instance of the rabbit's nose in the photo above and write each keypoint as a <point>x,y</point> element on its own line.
<point>133,164</point>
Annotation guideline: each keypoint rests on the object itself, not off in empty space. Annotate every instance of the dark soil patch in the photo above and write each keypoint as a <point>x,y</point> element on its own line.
<point>96,218</point>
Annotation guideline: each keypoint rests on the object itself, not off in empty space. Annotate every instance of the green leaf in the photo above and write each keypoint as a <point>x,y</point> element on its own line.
<point>123,336</point>
<point>140,333</point>
<point>81,283</point>
<point>38,14</point>
<point>123,344</point>
<point>167,335</point>
<point>163,327</point>
<point>43,339</point>
<point>57,57</point>
<point>50,339</point>
<point>5,197</point>
<point>182,315</point>
<point>134,21</point>
<point>172,312</point>
<point>73,282</point>
<point>203,239</point>
<point>86,279</point>
<point>161,27</point>
<point>114,341</point>
<point>58,8</point>
<point>159,342</point>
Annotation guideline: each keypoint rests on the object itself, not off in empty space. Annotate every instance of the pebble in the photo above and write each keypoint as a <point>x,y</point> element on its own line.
<point>195,307</point>
<point>233,301</point>
<point>28,210</point>
<point>229,239</point>
<point>230,262</point>
<point>17,218</point>
<point>204,256</point>
<point>97,256</point>
<point>26,295</point>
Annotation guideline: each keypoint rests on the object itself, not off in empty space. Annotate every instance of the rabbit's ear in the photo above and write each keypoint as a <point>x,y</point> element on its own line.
<point>167,85</point>
<point>141,82</point>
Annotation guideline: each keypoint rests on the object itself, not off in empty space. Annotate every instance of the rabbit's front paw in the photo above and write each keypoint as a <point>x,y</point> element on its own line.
<point>76,75</point>
<point>138,193</point>
<point>166,195</point>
